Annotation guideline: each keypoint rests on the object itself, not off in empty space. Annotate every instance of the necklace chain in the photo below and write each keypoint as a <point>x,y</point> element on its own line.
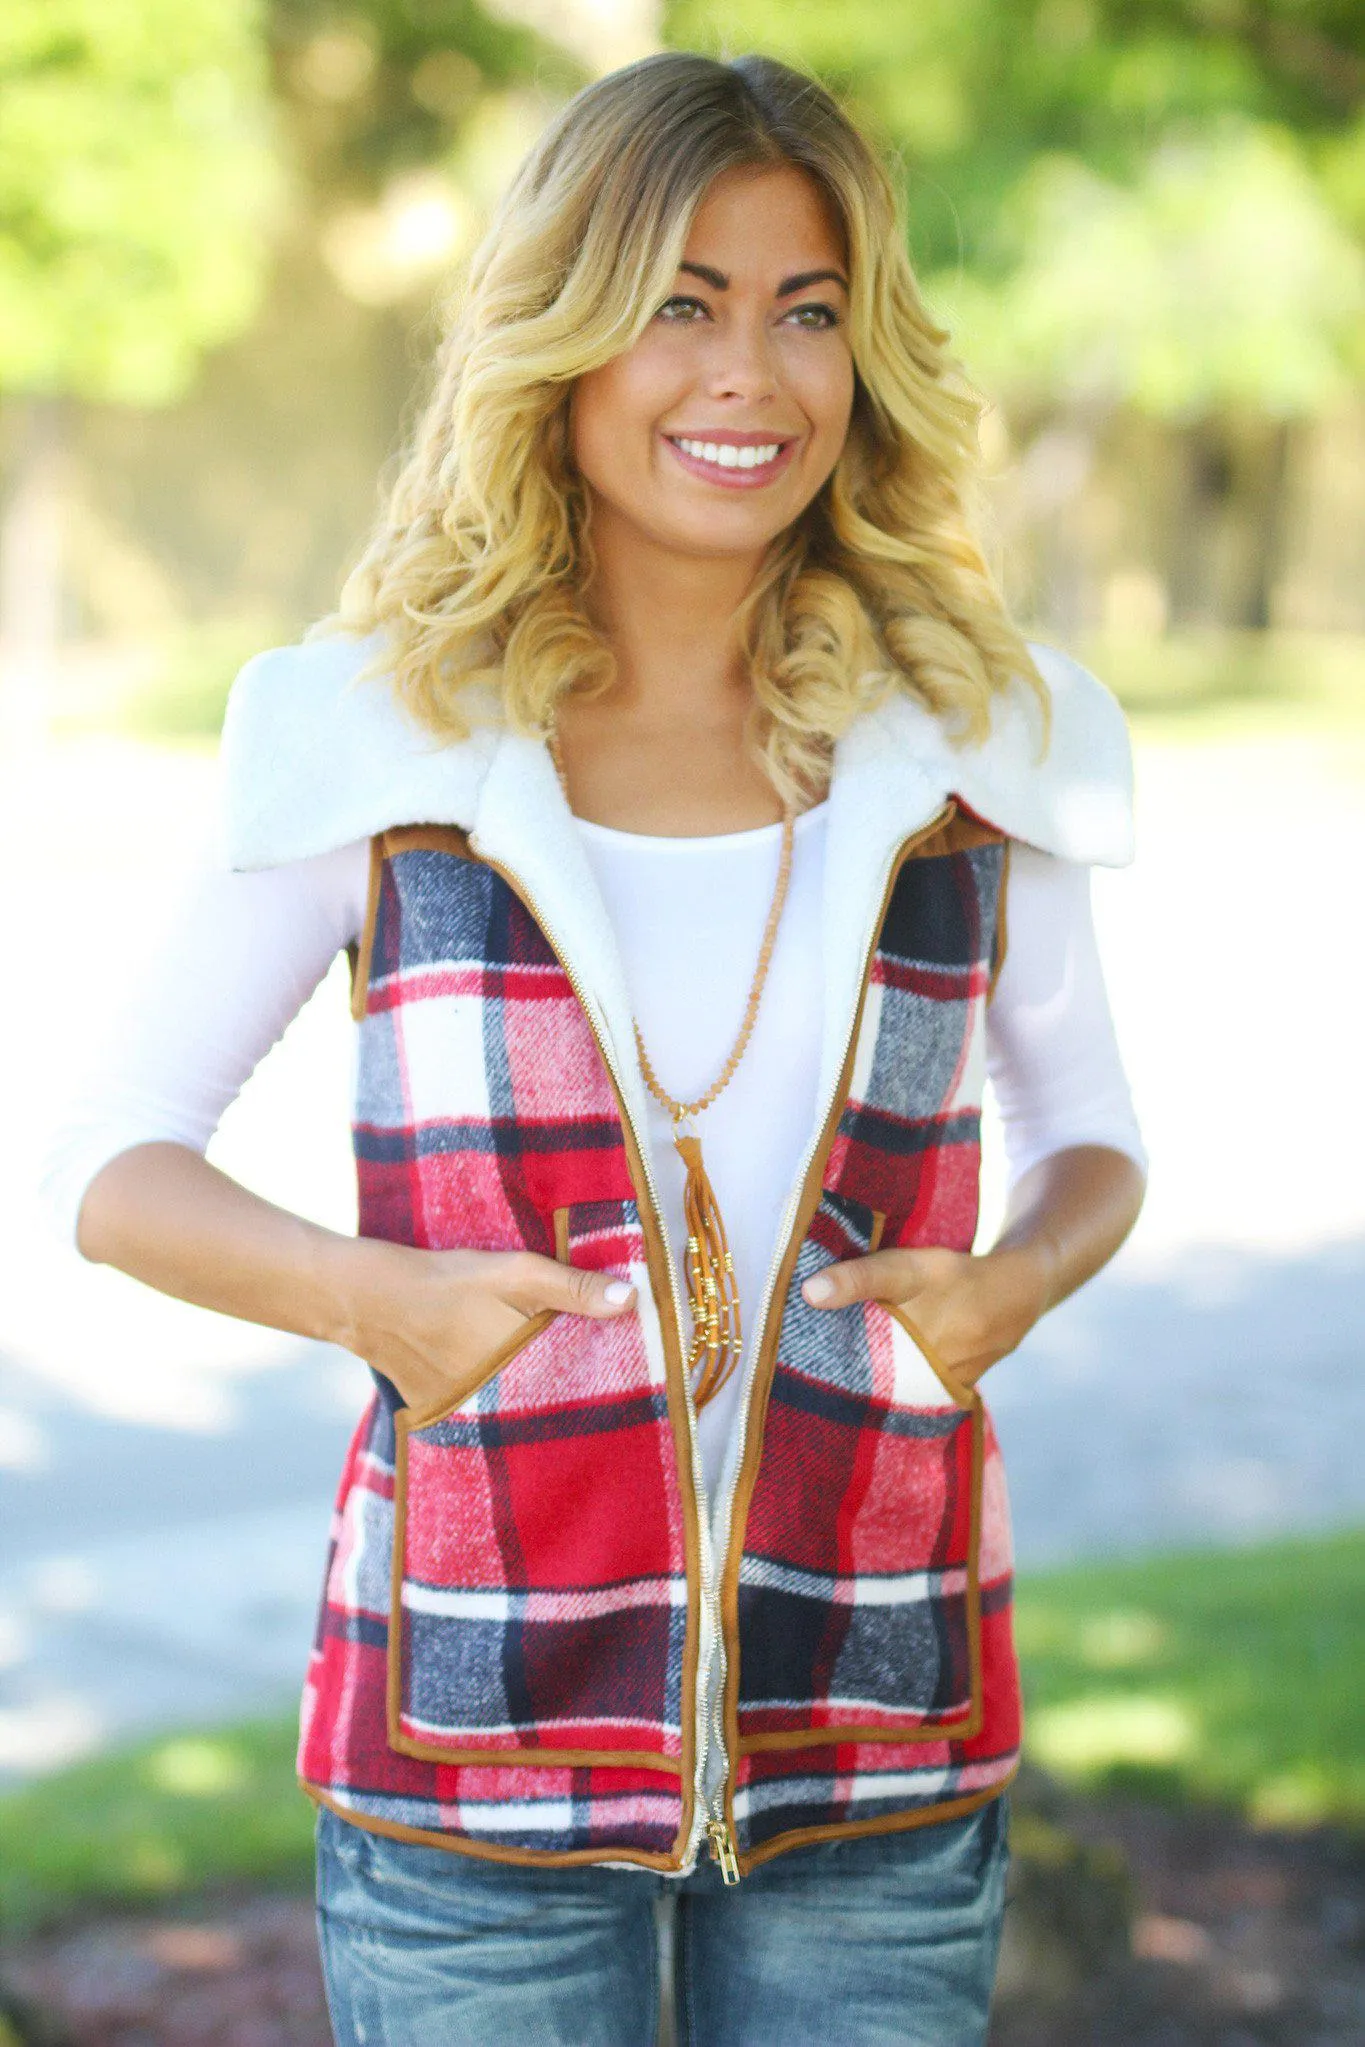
<point>678,1110</point>
<point>717,1334</point>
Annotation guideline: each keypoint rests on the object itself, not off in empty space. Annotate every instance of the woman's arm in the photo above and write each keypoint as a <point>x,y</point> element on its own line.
<point>1076,1164</point>
<point>213,987</point>
<point>423,1318</point>
<point>127,1181</point>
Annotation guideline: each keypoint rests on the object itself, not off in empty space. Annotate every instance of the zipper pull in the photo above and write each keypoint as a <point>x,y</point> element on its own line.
<point>723,1850</point>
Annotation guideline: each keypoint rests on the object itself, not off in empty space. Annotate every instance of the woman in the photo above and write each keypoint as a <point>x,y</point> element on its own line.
<point>702,833</point>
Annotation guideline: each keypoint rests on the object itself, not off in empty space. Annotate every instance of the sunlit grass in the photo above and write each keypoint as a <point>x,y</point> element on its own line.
<point>1230,1675</point>
<point>172,1815</point>
<point>1233,1675</point>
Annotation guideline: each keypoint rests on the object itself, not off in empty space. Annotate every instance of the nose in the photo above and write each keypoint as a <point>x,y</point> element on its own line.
<point>740,360</point>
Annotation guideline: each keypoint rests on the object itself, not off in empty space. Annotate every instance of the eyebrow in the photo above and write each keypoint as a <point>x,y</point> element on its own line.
<point>784,290</point>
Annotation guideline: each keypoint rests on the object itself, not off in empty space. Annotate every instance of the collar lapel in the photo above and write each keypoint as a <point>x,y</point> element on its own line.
<point>888,779</point>
<point>522,822</point>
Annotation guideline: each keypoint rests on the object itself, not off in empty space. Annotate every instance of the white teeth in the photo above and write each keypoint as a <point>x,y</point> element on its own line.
<point>725,456</point>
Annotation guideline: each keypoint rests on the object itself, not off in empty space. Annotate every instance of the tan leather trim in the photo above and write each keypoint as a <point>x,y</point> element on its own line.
<point>362,951</point>
<point>404,1424</point>
<point>874,1242</point>
<point>832,1737</point>
<point>656,1261</point>
<point>962,1396</point>
<point>433,838</point>
<point>661,1288</point>
<point>889,1823</point>
<point>955,834</point>
<point>969,1399</point>
<point>928,835</point>
<point>540,1758</point>
<point>958,1726</point>
<point>539,1858</point>
<point>1001,922</point>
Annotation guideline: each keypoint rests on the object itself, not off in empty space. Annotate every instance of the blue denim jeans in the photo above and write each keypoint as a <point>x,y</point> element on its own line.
<point>891,1938</point>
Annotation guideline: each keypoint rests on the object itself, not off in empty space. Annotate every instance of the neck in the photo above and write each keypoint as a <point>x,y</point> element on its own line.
<point>669,617</point>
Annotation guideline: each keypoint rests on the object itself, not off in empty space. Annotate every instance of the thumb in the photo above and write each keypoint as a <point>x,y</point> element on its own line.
<point>569,1289</point>
<point>876,1276</point>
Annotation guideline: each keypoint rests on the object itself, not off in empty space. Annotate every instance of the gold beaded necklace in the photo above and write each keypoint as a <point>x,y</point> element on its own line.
<point>712,1294</point>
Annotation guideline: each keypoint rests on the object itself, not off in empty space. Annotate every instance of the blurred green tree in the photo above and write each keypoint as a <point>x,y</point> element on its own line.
<point>1152,204</point>
<point>155,158</point>
<point>137,179</point>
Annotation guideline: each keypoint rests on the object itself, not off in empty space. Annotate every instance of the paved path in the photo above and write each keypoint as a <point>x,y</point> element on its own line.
<point>165,1474</point>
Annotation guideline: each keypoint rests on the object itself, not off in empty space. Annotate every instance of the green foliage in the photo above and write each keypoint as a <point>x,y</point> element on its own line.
<point>1155,203</point>
<point>178,1814</point>
<point>1220,280</point>
<point>1228,1675</point>
<point>384,86</point>
<point>136,173</point>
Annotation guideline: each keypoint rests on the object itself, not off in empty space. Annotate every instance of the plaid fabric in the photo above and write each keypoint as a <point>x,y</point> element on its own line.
<point>344,1748</point>
<point>511,1577</point>
<point>875,1578</point>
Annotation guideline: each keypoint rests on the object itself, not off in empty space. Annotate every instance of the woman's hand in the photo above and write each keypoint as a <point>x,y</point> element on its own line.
<point>1066,1217</point>
<point>970,1311</point>
<point>431,1320</point>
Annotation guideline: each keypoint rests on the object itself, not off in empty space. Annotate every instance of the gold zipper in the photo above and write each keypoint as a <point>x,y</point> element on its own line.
<point>718,1825</point>
<point>763,1354</point>
<point>705,1561</point>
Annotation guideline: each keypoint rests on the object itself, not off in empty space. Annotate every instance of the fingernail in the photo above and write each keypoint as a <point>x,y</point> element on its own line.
<point>818,1287</point>
<point>616,1291</point>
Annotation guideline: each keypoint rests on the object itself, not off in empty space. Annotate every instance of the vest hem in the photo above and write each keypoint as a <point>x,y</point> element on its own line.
<point>490,1851</point>
<point>643,1858</point>
<point>885,1823</point>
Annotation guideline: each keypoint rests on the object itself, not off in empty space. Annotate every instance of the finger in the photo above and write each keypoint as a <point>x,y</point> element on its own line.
<point>534,1283</point>
<point>878,1276</point>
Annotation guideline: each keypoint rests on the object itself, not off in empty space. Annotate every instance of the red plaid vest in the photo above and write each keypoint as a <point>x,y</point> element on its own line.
<point>520,1601</point>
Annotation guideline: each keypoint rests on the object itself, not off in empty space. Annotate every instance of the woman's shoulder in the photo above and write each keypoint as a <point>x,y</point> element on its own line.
<point>316,751</point>
<point>1072,796</point>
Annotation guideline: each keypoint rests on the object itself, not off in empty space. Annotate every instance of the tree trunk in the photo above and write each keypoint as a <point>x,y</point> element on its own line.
<point>1268,528</point>
<point>1192,564</point>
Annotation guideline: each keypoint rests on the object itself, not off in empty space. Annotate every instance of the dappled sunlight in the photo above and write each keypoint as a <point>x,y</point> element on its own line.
<point>1230,1674</point>
<point>1121,1640</point>
<point>151,1864</point>
<point>197,1767</point>
<point>1086,1736</point>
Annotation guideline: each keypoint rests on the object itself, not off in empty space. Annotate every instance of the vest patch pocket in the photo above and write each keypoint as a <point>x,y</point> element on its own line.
<point>539,1599</point>
<point>859,1588</point>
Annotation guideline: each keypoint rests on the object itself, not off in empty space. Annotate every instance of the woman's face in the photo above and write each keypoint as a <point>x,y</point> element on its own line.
<point>750,354</point>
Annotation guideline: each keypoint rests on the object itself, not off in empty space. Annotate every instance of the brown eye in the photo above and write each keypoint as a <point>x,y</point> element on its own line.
<point>679,299</point>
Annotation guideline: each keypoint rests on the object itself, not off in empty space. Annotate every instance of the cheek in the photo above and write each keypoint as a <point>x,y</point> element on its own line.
<point>613,415</point>
<point>829,397</point>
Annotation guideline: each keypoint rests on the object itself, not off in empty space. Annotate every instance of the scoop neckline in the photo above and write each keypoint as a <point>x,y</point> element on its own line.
<point>679,842</point>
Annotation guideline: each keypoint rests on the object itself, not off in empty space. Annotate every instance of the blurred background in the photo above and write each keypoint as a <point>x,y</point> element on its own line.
<point>225,226</point>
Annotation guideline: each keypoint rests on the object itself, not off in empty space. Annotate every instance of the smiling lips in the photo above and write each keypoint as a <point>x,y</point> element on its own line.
<point>735,461</point>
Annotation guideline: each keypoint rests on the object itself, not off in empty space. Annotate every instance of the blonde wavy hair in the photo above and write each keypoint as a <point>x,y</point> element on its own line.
<point>476,567</point>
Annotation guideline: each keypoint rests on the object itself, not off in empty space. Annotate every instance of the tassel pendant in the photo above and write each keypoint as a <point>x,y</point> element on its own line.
<point>712,1293</point>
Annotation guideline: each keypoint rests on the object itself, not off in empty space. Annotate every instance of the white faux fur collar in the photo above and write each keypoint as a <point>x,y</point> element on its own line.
<point>309,765</point>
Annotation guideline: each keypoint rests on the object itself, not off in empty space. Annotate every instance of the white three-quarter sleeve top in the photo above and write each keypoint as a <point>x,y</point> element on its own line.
<point>243,950</point>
